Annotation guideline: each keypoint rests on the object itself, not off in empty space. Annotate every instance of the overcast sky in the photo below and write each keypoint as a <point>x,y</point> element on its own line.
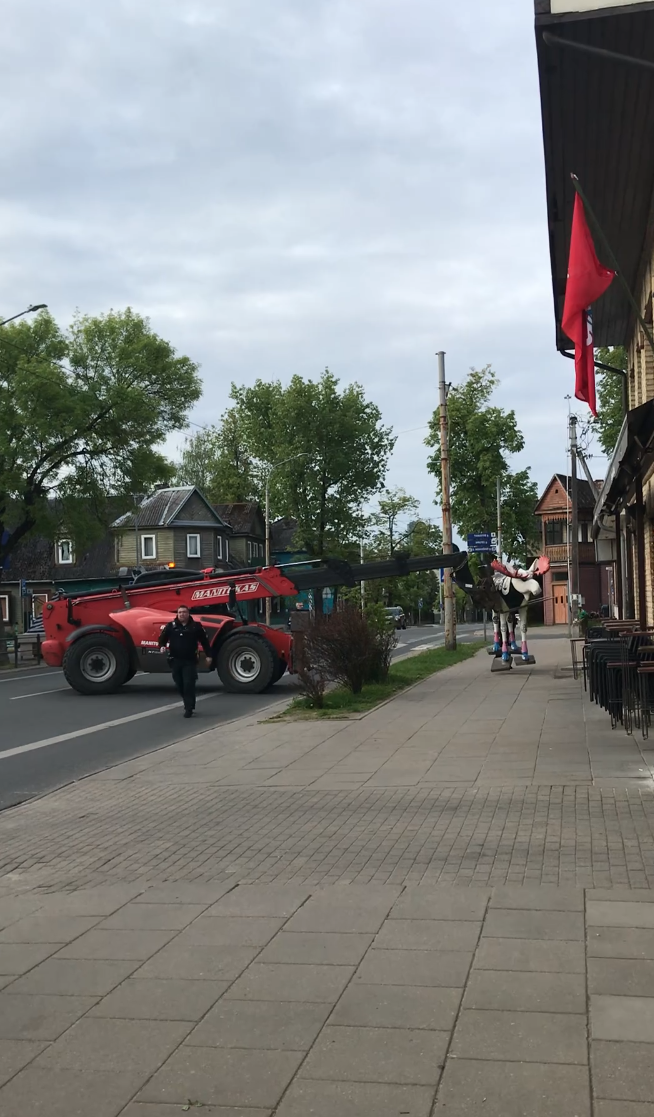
<point>286,185</point>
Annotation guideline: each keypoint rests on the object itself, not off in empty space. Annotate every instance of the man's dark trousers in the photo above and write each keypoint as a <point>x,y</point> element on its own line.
<point>185,674</point>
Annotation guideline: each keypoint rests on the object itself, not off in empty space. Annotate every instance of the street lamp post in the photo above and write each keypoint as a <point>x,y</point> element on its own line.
<point>30,310</point>
<point>268,476</point>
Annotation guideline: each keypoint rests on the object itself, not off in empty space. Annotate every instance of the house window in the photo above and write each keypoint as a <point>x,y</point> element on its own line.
<point>193,546</point>
<point>583,532</point>
<point>65,556</point>
<point>219,546</point>
<point>227,550</point>
<point>554,532</point>
<point>261,550</point>
<point>148,546</point>
<point>4,605</point>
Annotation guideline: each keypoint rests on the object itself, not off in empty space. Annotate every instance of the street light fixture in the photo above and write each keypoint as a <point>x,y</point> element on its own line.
<point>30,310</point>
<point>268,476</point>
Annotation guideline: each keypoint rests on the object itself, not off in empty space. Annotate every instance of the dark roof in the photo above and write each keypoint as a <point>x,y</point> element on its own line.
<point>585,495</point>
<point>242,517</point>
<point>282,534</point>
<point>598,122</point>
<point>34,559</point>
<point>161,508</point>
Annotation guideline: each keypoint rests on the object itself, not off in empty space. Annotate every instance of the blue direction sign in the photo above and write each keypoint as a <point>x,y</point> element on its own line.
<point>480,541</point>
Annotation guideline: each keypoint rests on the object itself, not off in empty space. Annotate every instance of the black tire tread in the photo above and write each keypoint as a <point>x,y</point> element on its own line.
<point>265,650</point>
<point>74,676</point>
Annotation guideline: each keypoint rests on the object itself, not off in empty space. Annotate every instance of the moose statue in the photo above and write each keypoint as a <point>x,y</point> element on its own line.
<point>507,590</point>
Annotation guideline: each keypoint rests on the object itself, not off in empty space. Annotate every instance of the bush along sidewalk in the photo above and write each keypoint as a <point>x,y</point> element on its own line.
<point>341,702</point>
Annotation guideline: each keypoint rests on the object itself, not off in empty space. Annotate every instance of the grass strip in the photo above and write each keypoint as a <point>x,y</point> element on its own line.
<point>340,702</point>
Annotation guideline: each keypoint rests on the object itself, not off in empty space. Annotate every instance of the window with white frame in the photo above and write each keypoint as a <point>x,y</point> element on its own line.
<point>226,550</point>
<point>148,546</point>
<point>65,554</point>
<point>219,546</point>
<point>4,605</point>
<point>261,550</point>
<point>193,546</point>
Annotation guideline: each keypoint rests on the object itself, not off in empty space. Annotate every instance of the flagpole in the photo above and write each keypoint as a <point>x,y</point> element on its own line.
<point>613,261</point>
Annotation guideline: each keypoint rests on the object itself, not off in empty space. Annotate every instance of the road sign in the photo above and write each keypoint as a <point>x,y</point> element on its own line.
<point>482,541</point>
<point>23,588</point>
<point>420,603</point>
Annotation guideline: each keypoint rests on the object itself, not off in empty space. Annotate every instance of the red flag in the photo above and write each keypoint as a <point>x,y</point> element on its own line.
<point>587,280</point>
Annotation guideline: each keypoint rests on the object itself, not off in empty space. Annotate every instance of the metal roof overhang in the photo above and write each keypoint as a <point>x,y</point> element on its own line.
<point>633,454</point>
<point>598,123</point>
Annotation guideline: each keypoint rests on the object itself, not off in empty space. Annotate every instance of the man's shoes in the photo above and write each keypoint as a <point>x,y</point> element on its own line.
<point>188,713</point>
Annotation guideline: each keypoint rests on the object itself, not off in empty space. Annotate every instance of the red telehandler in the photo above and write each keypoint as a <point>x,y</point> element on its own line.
<point>101,639</point>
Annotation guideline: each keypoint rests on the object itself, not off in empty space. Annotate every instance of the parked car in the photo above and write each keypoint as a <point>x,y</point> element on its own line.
<point>395,613</point>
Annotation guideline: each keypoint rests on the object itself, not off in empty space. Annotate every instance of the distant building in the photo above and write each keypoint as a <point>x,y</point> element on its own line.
<point>248,539</point>
<point>595,578</point>
<point>174,525</point>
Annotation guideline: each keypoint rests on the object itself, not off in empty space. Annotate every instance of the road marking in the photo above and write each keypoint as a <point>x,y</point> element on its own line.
<point>38,693</point>
<point>27,678</point>
<point>98,728</point>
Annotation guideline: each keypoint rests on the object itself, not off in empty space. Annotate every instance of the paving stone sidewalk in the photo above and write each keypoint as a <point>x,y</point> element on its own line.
<point>361,1001</point>
<point>470,777</point>
<point>266,922</point>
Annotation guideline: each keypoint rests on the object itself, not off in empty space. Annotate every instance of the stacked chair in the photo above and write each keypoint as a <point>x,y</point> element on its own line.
<point>618,669</point>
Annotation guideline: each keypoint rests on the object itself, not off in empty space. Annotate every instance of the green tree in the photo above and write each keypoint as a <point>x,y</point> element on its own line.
<point>419,538</point>
<point>480,439</point>
<point>218,463</point>
<point>392,505</point>
<point>339,448</point>
<point>81,414</point>
<point>610,412</point>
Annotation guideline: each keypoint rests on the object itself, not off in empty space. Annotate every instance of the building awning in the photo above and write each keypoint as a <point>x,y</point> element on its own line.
<point>598,123</point>
<point>633,454</point>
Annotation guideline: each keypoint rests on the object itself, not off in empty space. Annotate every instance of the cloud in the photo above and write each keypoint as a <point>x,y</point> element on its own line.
<point>283,187</point>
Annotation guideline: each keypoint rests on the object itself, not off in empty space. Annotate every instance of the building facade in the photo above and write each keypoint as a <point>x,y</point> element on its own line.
<point>595,578</point>
<point>248,539</point>
<point>175,525</point>
<point>597,105</point>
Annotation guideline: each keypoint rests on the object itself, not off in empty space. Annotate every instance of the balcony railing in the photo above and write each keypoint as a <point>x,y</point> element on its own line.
<point>558,552</point>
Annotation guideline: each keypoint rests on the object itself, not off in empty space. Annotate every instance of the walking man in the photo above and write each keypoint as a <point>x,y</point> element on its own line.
<point>182,637</point>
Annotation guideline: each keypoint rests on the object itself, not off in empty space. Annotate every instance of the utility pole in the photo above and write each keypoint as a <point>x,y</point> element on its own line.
<point>448,585</point>
<point>499,519</point>
<point>574,528</point>
<point>363,584</point>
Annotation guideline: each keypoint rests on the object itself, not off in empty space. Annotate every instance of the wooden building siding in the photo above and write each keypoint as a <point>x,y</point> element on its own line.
<point>165,547</point>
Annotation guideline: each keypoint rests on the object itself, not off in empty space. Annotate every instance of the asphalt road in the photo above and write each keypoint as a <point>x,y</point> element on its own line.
<point>50,735</point>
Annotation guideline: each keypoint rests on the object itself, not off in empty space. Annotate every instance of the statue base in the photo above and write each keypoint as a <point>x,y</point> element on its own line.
<point>500,664</point>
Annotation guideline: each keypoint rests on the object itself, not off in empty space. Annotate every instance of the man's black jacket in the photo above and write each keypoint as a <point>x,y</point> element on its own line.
<point>183,639</point>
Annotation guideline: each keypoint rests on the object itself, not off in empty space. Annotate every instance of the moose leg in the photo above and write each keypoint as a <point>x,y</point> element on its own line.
<point>524,610</point>
<point>497,633</point>
<point>504,622</point>
<point>512,641</point>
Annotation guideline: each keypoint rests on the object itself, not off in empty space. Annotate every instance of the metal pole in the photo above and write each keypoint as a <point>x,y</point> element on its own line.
<point>574,525</point>
<point>640,552</point>
<point>363,584</point>
<point>448,585</point>
<point>499,519</point>
<point>618,565</point>
<point>268,600</point>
